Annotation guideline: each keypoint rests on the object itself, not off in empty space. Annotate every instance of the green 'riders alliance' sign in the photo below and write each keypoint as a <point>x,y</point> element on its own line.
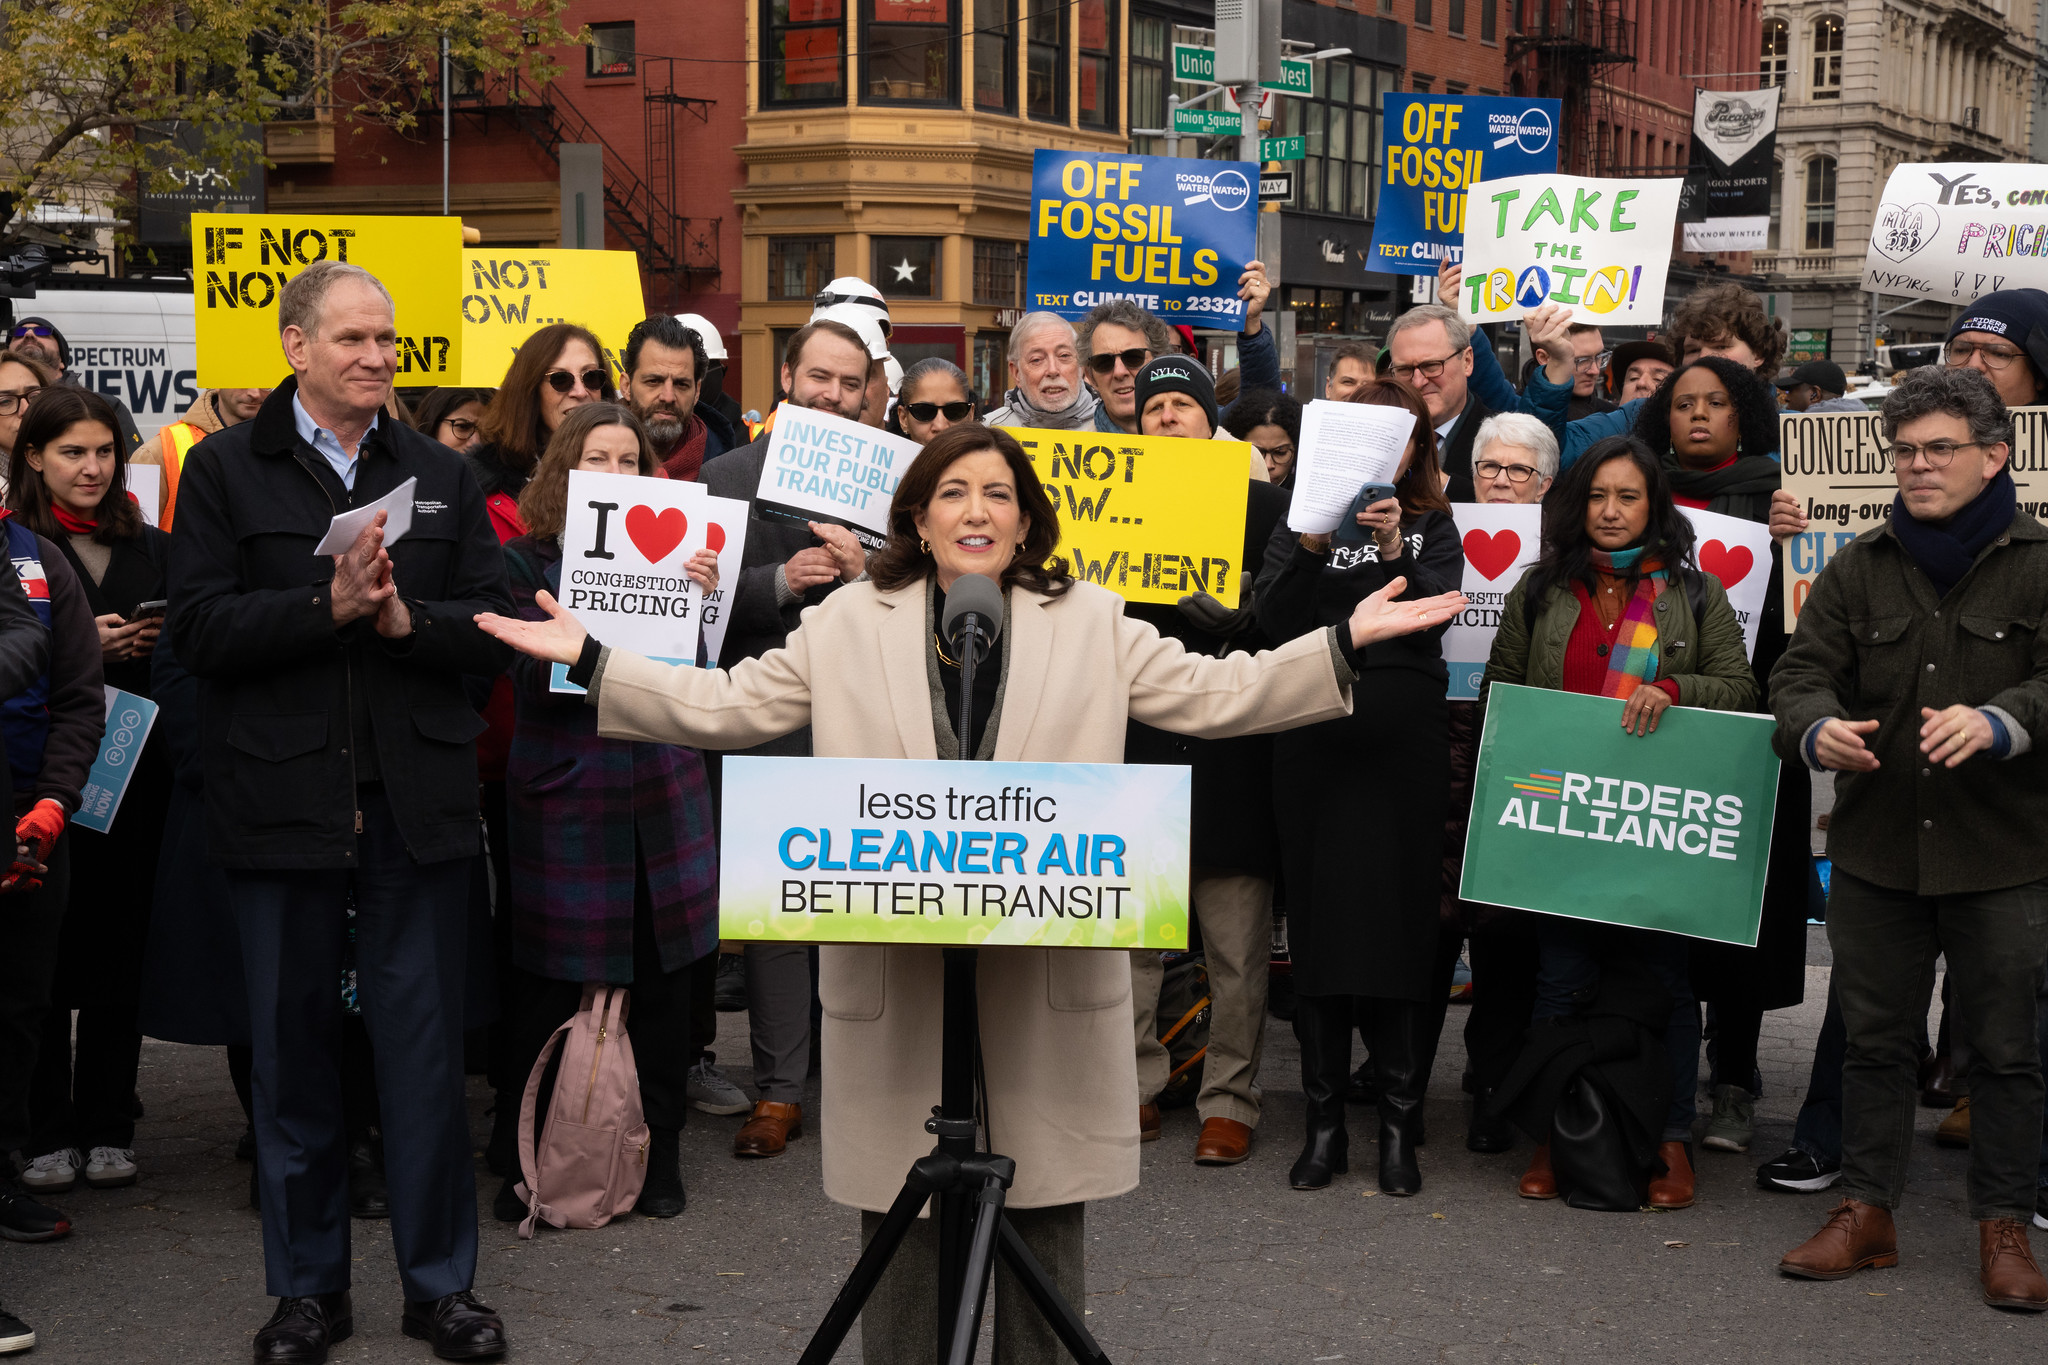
<point>1573,816</point>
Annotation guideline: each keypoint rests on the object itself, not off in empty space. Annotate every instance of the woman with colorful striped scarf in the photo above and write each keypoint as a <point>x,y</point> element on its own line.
<point>1617,607</point>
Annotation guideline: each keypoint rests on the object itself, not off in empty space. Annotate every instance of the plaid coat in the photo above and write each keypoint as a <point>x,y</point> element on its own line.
<point>578,807</point>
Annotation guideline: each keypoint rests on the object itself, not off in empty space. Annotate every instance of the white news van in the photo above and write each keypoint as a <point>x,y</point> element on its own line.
<point>131,344</point>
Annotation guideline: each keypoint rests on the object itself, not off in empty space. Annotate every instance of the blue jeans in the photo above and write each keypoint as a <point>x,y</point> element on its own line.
<point>1570,956</point>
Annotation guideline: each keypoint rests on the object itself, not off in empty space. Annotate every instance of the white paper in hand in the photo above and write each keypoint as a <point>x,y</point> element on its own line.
<point>346,526</point>
<point>1344,446</point>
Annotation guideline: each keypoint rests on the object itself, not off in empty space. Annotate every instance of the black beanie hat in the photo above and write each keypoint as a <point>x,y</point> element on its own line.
<point>2020,316</point>
<point>1177,374</point>
<point>63,346</point>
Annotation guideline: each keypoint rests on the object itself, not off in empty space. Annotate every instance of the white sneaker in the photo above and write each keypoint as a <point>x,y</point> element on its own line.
<point>708,1090</point>
<point>110,1167</point>
<point>53,1172</point>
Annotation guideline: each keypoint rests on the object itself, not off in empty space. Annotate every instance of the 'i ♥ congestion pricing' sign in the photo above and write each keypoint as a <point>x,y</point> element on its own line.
<point>625,542</point>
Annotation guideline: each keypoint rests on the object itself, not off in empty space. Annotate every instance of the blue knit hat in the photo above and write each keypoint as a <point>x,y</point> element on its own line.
<point>2020,316</point>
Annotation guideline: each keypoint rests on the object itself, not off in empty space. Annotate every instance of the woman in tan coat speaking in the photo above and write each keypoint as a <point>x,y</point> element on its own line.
<point>866,671</point>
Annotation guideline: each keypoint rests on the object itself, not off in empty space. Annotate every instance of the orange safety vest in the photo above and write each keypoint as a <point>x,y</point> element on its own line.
<point>177,438</point>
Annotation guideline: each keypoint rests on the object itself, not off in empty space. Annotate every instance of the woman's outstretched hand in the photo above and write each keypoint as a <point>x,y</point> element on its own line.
<point>559,639</point>
<point>1379,617</point>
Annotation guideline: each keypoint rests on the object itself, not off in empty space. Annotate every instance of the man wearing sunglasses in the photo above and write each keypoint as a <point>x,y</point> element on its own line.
<point>39,339</point>
<point>1119,337</point>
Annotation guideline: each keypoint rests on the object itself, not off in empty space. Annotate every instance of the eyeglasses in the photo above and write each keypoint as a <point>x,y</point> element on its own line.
<point>1994,357</point>
<point>561,381</point>
<point>1279,452</point>
<point>14,400</point>
<point>32,329</point>
<point>925,412</point>
<point>1428,369</point>
<point>1133,359</point>
<point>1939,453</point>
<point>1592,362</point>
<point>462,426</point>
<point>1517,474</point>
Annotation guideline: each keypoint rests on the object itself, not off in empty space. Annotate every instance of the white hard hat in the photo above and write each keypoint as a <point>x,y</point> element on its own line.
<point>714,345</point>
<point>863,321</point>
<point>851,290</point>
<point>893,367</point>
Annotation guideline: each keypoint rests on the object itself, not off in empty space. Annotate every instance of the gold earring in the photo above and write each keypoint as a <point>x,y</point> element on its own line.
<point>925,546</point>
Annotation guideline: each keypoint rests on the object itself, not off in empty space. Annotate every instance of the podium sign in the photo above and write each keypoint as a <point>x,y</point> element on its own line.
<point>1029,855</point>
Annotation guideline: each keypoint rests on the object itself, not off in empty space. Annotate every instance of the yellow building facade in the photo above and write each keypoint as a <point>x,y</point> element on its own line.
<point>892,140</point>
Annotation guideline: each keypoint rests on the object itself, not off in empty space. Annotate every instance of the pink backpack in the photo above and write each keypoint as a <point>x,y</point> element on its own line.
<point>592,1156</point>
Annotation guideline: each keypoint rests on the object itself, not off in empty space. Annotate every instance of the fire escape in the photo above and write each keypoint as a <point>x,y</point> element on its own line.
<point>638,201</point>
<point>1572,43</point>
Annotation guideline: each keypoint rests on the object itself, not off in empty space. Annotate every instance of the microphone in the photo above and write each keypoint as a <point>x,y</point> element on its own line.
<point>974,610</point>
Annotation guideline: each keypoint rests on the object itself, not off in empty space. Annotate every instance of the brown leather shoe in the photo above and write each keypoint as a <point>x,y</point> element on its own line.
<point>1148,1123</point>
<point>1224,1142</point>
<point>1855,1237</point>
<point>1539,1181</point>
<point>2011,1279</point>
<point>1673,1189</point>
<point>1954,1130</point>
<point>769,1130</point>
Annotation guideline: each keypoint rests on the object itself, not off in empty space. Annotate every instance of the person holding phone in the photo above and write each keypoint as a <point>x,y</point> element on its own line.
<point>68,485</point>
<point>1361,803</point>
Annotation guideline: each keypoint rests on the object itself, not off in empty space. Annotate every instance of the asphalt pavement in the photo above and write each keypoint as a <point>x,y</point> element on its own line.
<point>1197,1265</point>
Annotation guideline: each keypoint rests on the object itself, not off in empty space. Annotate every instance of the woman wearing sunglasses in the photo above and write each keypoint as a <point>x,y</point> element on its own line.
<point>558,369</point>
<point>933,397</point>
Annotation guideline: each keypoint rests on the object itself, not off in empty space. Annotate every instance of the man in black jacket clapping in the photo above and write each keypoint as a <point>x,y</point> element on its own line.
<point>341,774</point>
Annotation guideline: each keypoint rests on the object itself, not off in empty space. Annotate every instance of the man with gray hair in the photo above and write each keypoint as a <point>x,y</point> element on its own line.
<point>1045,378</point>
<point>1919,676</point>
<point>1118,338</point>
<point>1430,350</point>
<point>1515,459</point>
<point>341,794</point>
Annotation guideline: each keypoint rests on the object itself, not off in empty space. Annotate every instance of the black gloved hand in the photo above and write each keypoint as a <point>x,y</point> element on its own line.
<point>1211,615</point>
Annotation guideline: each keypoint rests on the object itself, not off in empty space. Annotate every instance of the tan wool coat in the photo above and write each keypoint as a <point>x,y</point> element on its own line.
<point>1055,1023</point>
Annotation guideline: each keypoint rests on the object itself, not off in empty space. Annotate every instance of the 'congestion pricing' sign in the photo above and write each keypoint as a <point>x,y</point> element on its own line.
<point>1172,234</point>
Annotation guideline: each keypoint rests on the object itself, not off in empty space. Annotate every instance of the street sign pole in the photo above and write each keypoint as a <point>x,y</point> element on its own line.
<point>1172,133</point>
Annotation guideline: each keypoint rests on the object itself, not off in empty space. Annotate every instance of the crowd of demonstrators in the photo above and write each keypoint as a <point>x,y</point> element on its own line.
<point>300,844</point>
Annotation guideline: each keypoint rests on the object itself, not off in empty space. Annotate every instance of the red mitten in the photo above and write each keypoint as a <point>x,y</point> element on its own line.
<point>40,828</point>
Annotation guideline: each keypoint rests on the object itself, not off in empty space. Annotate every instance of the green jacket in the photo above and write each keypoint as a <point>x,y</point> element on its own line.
<point>1873,643</point>
<point>1709,663</point>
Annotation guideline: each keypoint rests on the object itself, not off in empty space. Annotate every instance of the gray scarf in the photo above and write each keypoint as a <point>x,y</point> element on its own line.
<point>1018,411</point>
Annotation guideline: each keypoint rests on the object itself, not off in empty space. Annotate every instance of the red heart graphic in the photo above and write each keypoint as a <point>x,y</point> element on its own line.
<point>1730,564</point>
<point>714,538</point>
<point>653,533</point>
<point>1493,555</point>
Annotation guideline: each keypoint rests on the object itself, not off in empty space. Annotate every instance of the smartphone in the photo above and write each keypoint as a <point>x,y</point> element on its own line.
<point>148,609</point>
<point>1348,531</point>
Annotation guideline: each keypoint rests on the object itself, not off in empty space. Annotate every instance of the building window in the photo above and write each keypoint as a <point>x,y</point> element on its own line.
<point>906,267</point>
<point>798,267</point>
<point>995,56</point>
<point>1097,103</point>
<point>806,52</point>
<point>1489,21</point>
<point>1422,8</point>
<point>1777,52</point>
<point>1045,63</point>
<point>1340,123</point>
<point>998,273</point>
<point>1827,59</point>
<point>1820,204</point>
<point>1423,83</point>
<point>1454,17</point>
<point>1148,79</point>
<point>908,51</point>
<point>1777,205</point>
<point>611,50</point>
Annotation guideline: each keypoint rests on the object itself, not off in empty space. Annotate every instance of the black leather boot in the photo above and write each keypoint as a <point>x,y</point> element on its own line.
<point>1396,1050</point>
<point>1487,1133</point>
<point>662,1195</point>
<point>1322,1024</point>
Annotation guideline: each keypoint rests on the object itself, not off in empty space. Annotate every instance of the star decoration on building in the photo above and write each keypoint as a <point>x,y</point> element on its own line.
<point>905,271</point>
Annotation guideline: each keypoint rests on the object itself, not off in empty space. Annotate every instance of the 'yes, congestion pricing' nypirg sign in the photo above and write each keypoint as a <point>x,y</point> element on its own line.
<point>1573,816</point>
<point>1171,234</point>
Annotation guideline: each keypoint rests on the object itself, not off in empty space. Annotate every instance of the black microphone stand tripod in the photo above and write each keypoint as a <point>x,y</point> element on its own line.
<point>969,1185</point>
